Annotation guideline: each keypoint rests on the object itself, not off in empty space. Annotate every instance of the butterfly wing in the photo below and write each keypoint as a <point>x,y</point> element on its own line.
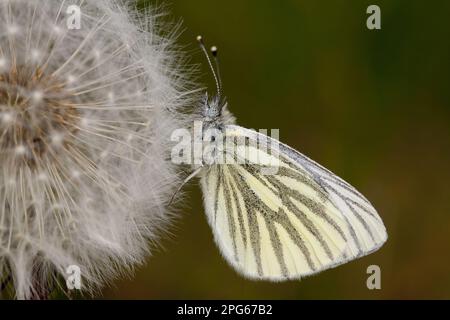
<point>367,231</point>
<point>295,222</point>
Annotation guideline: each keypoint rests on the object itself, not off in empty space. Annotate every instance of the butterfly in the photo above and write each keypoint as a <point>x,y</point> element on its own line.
<point>277,215</point>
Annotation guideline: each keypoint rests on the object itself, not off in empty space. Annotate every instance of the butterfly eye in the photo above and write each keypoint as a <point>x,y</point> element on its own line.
<point>213,138</point>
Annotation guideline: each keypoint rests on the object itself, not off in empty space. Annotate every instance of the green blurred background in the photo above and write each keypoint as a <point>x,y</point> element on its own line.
<point>371,105</point>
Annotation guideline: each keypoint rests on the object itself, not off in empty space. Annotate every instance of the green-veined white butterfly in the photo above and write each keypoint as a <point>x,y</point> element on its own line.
<point>298,221</point>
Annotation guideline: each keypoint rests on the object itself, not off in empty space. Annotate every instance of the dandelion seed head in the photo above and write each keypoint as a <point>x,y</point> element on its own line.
<point>3,63</point>
<point>97,54</point>
<point>71,79</point>
<point>12,29</point>
<point>6,117</point>
<point>85,116</point>
<point>56,138</point>
<point>76,174</point>
<point>111,97</point>
<point>20,150</point>
<point>42,176</point>
<point>104,154</point>
<point>35,54</point>
<point>37,95</point>
<point>57,29</point>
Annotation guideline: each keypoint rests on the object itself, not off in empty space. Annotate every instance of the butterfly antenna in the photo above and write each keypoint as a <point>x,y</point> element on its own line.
<point>214,52</point>
<point>192,175</point>
<point>216,78</point>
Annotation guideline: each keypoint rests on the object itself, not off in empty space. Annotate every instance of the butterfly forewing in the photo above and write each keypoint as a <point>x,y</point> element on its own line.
<point>272,226</point>
<point>299,220</point>
<point>367,231</point>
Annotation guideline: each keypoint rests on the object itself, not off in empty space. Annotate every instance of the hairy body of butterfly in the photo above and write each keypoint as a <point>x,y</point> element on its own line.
<point>298,221</point>
<point>276,214</point>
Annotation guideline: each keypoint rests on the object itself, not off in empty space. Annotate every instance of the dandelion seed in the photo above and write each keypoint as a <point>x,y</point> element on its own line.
<point>6,117</point>
<point>20,150</point>
<point>42,176</point>
<point>3,63</point>
<point>12,29</point>
<point>37,96</point>
<point>71,79</point>
<point>35,55</point>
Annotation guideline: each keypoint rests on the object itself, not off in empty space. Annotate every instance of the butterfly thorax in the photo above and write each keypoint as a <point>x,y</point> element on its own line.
<point>215,112</point>
<point>215,117</point>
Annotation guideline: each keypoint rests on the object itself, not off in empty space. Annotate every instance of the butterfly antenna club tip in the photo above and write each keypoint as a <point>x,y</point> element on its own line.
<point>214,51</point>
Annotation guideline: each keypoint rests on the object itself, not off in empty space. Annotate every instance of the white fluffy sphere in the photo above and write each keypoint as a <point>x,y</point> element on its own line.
<point>85,116</point>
